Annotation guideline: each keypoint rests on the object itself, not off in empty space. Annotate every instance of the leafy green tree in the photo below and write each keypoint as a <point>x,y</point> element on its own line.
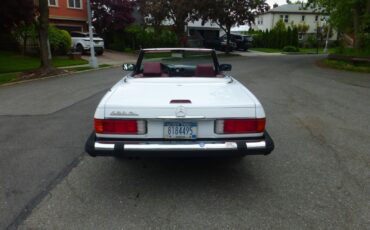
<point>280,25</point>
<point>24,33</point>
<point>180,12</point>
<point>351,16</point>
<point>228,13</point>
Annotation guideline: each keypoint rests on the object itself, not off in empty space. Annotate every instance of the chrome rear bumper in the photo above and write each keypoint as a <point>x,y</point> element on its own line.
<point>198,148</point>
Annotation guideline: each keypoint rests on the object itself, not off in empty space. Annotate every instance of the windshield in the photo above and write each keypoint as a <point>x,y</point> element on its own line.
<point>178,63</point>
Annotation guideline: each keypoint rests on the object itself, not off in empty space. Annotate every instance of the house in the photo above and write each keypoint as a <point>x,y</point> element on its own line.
<point>70,15</point>
<point>292,14</point>
<point>197,31</point>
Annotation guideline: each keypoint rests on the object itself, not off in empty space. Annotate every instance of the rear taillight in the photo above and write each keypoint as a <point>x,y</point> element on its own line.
<point>128,127</point>
<point>234,126</point>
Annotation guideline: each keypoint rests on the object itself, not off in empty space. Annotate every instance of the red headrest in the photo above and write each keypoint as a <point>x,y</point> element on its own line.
<point>205,70</point>
<point>152,69</point>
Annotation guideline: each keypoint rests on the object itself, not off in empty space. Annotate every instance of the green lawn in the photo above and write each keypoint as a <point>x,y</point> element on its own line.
<point>343,65</point>
<point>8,77</point>
<point>301,50</point>
<point>353,52</point>
<point>12,62</point>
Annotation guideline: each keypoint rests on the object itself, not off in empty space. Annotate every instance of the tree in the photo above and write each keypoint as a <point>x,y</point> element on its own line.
<point>280,25</point>
<point>351,16</point>
<point>15,15</point>
<point>155,12</point>
<point>111,15</point>
<point>43,26</point>
<point>16,12</point>
<point>228,13</point>
<point>23,33</point>
<point>179,12</point>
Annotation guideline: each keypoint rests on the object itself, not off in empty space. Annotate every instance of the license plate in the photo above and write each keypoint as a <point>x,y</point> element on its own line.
<point>180,130</point>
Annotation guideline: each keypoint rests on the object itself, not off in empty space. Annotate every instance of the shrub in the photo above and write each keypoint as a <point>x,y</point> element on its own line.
<point>312,41</point>
<point>276,38</point>
<point>60,41</point>
<point>290,49</point>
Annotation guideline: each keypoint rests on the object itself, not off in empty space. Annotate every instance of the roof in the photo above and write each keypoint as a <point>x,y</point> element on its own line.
<point>294,8</point>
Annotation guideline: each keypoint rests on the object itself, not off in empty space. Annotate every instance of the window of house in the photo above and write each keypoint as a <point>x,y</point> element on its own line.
<point>53,2</point>
<point>300,36</point>
<point>286,18</point>
<point>316,18</point>
<point>303,18</point>
<point>75,4</point>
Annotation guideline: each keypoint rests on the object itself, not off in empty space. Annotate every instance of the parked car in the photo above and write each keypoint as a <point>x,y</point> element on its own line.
<point>219,44</point>
<point>243,42</point>
<point>81,43</point>
<point>179,102</point>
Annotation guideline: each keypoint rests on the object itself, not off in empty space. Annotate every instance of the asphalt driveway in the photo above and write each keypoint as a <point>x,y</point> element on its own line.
<point>318,177</point>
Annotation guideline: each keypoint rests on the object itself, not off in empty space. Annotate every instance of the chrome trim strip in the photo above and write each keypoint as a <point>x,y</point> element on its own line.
<point>256,145</point>
<point>191,147</point>
<point>104,146</point>
<point>180,118</point>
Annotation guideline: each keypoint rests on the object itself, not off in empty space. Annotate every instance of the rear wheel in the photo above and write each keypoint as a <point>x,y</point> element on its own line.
<point>99,52</point>
<point>80,48</point>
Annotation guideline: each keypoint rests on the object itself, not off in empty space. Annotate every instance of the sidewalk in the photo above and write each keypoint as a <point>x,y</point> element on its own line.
<point>251,53</point>
<point>114,58</point>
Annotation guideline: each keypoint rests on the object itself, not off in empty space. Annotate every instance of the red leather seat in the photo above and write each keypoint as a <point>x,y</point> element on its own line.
<point>152,69</point>
<point>205,70</point>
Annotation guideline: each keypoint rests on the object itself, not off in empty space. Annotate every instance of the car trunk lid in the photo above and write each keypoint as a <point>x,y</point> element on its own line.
<point>196,97</point>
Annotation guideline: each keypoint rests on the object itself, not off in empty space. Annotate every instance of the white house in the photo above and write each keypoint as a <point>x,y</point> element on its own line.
<point>291,14</point>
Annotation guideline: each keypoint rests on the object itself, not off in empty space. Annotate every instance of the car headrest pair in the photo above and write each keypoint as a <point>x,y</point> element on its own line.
<point>152,69</point>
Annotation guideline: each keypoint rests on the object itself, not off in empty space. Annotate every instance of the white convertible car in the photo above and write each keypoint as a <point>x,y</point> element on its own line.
<point>178,102</point>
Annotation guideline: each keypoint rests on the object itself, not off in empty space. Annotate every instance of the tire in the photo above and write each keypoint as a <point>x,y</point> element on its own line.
<point>100,52</point>
<point>80,48</point>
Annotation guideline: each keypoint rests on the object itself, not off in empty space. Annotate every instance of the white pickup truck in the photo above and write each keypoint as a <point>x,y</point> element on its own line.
<point>81,43</point>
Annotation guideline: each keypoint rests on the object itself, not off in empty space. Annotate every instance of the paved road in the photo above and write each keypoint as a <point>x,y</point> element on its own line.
<point>318,177</point>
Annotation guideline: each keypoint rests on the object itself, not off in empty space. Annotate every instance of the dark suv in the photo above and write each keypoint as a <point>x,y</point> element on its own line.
<point>243,42</point>
<point>219,44</point>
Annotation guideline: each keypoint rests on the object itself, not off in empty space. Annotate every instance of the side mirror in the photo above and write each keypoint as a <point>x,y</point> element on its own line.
<point>128,67</point>
<point>225,67</point>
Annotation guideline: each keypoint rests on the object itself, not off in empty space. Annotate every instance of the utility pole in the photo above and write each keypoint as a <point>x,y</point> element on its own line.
<point>93,61</point>
<point>328,28</point>
<point>317,37</point>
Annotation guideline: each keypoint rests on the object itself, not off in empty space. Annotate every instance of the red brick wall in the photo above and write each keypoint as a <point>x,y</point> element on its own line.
<point>62,11</point>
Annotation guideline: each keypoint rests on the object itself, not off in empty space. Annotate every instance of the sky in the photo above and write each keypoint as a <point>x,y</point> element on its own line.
<point>279,2</point>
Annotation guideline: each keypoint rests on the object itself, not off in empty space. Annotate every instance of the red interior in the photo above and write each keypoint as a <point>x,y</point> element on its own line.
<point>152,69</point>
<point>205,70</point>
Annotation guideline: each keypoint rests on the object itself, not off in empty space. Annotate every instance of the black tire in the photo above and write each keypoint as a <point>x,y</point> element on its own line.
<point>80,48</point>
<point>100,52</point>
